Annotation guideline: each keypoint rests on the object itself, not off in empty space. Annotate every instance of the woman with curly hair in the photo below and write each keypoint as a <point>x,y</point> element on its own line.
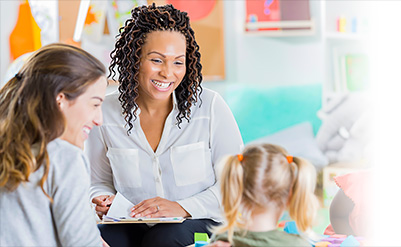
<point>162,133</point>
<point>46,112</point>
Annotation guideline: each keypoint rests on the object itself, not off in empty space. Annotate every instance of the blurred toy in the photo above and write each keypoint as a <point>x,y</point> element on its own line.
<point>354,25</point>
<point>291,227</point>
<point>201,239</point>
<point>340,241</point>
<point>322,244</point>
<point>341,23</point>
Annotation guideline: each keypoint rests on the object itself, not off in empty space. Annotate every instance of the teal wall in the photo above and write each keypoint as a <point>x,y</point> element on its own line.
<point>263,110</point>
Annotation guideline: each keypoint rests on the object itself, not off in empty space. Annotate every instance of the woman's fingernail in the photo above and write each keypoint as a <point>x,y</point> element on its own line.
<point>138,215</point>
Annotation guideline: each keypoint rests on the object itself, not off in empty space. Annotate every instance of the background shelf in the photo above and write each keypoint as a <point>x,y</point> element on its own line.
<point>291,28</point>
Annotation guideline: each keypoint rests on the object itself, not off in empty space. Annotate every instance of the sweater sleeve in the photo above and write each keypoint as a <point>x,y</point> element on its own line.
<point>225,139</point>
<point>73,217</point>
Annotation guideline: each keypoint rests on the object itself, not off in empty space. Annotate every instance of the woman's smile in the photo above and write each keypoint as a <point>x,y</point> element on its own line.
<point>162,86</point>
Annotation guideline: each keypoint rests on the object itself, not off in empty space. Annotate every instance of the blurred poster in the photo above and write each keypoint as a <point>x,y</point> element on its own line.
<point>95,20</point>
<point>45,14</point>
<point>207,21</point>
<point>196,9</point>
<point>118,11</point>
<point>262,11</point>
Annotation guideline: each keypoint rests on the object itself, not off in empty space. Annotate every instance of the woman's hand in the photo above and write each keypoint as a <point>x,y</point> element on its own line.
<point>158,207</point>
<point>219,244</point>
<point>102,204</point>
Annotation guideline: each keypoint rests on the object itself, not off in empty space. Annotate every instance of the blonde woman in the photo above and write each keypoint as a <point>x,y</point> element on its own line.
<point>257,186</point>
<point>46,113</point>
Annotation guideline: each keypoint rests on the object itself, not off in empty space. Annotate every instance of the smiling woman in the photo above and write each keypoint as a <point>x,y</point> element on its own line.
<point>82,113</point>
<point>162,64</point>
<point>46,112</point>
<point>160,140</point>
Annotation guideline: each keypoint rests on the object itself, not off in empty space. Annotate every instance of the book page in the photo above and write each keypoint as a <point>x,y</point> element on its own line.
<point>120,210</point>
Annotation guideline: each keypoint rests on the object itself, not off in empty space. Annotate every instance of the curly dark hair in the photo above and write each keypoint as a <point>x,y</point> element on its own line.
<point>127,53</point>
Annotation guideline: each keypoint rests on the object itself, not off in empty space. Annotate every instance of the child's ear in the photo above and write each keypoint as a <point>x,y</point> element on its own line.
<point>61,100</point>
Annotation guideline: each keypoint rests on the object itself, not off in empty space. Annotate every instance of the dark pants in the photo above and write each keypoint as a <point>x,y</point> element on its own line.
<point>163,234</point>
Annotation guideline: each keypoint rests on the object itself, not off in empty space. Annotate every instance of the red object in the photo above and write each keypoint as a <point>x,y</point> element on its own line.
<point>329,230</point>
<point>281,224</point>
<point>196,9</point>
<point>290,159</point>
<point>263,10</point>
<point>240,157</point>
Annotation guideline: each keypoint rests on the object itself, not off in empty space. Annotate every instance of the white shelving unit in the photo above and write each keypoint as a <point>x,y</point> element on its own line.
<point>309,28</point>
<point>337,44</point>
<point>346,36</point>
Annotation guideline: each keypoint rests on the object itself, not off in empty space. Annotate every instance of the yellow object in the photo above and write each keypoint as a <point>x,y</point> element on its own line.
<point>25,36</point>
<point>322,244</point>
<point>200,236</point>
<point>342,22</point>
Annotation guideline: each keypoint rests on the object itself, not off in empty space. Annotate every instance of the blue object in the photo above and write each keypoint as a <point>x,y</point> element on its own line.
<point>253,18</point>
<point>291,227</point>
<point>200,243</point>
<point>262,110</point>
<point>350,241</point>
<point>354,24</point>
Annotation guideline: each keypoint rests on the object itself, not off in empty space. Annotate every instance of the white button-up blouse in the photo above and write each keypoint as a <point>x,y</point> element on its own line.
<point>183,168</point>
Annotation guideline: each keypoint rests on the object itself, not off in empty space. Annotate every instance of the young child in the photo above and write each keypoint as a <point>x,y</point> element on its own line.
<point>257,186</point>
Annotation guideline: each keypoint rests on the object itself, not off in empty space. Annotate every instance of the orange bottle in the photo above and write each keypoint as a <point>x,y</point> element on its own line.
<point>25,36</point>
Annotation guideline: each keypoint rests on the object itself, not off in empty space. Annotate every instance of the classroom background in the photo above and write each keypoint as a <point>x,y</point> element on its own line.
<point>317,77</point>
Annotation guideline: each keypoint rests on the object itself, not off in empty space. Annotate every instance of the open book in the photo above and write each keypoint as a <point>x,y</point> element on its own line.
<point>120,209</point>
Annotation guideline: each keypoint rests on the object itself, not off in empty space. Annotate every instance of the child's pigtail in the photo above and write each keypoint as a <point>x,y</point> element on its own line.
<point>231,192</point>
<point>303,202</point>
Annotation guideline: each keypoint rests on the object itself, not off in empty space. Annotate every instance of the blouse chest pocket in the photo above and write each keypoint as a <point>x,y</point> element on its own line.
<point>190,163</point>
<point>125,165</point>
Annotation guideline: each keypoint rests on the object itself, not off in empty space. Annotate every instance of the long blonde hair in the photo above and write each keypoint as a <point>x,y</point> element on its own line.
<point>29,115</point>
<point>265,176</point>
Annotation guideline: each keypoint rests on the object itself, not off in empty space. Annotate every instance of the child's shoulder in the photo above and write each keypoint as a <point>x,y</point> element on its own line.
<point>281,238</point>
<point>287,239</point>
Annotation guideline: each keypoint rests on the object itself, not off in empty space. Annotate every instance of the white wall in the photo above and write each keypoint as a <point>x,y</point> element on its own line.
<point>249,59</point>
<point>8,19</point>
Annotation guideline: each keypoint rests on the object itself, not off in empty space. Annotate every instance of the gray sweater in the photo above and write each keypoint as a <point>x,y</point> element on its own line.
<point>27,218</point>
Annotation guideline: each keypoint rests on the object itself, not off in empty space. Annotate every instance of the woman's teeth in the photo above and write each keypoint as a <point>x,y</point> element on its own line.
<point>86,130</point>
<point>161,84</point>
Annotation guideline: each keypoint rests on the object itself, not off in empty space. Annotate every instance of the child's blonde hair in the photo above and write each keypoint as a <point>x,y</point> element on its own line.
<point>263,176</point>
